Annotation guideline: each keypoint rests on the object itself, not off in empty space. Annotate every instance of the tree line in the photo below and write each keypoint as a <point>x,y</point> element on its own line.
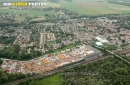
<point>15,52</point>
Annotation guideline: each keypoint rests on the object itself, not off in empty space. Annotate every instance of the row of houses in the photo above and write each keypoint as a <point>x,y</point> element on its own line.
<point>48,62</point>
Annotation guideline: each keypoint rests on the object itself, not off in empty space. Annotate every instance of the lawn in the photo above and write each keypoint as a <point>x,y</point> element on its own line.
<point>109,47</point>
<point>66,47</point>
<point>82,29</point>
<point>50,80</point>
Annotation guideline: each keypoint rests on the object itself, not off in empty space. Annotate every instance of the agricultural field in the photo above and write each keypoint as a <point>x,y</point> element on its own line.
<point>20,18</point>
<point>28,12</point>
<point>94,7</point>
<point>87,7</point>
<point>50,4</point>
<point>38,19</point>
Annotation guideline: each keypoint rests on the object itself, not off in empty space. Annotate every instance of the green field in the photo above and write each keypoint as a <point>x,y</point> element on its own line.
<point>87,7</point>
<point>53,4</point>
<point>38,19</point>
<point>28,12</point>
<point>94,7</point>
<point>50,80</point>
<point>19,18</point>
<point>82,29</point>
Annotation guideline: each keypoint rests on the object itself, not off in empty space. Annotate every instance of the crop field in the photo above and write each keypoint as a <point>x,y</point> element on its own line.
<point>87,7</point>
<point>95,7</point>
<point>38,19</point>
<point>28,12</point>
<point>19,18</point>
<point>53,4</point>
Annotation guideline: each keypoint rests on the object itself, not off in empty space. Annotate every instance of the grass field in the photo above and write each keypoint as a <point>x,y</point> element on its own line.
<point>53,4</point>
<point>87,7</point>
<point>51,80</point>
<point>19,18</point>
<point>82,29</point>
<point>28,12</point>
<point>94,7</point>
<point>38,19</point>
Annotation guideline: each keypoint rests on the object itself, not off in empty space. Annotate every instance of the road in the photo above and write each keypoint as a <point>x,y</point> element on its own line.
<point>56,70</point>
<point>117,55</point>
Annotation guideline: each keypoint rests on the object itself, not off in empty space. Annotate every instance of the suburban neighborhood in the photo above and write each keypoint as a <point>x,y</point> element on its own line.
<point>64,42</point>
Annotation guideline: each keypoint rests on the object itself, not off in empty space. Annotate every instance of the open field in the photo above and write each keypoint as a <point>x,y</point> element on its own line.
<point>95,7</point>
<point>19,18</point>
<point>53,4</point>
<point>87,7</point>
<point>28,12</point>
<point>38,19</point>
<point>82,29</point>
<point>51,80</point>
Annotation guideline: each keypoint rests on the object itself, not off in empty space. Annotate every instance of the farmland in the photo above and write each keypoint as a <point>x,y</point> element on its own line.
<point>87,7</point>
<point>95,7</point>
<point>53,4</point>
<point>37,19</point>
<point>28,12</point>
<point>19,18</point>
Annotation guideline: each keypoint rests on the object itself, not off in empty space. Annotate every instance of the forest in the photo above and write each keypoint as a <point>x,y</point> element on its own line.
<point>110,71</point>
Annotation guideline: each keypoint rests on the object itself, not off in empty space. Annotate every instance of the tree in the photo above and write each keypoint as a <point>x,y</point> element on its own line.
<point>1,61</point>
<point>123,41</point>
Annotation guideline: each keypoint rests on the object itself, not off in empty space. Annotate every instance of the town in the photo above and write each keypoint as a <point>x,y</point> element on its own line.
<point>46,38</point>
<point>64,42</point>
<point>50,61</point>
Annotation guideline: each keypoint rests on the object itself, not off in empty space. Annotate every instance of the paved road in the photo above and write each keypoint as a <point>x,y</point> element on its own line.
<point>118,56</point>
<point>57,70</point>
<point>123,59</point>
